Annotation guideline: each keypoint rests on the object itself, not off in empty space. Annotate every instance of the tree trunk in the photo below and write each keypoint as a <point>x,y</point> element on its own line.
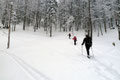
<point>119,31</point>
<point>98,31</point>
<point>111,22</point>
<point>14,26</point>
<point>119,34</point>
<point>37,21</point>
<point>8,44</point>
<point>90,21</point>
<point>50,30</point>
<point>24,22</point>
<point>100,28</point>
<point>94,25</point>
<point>104,20</point>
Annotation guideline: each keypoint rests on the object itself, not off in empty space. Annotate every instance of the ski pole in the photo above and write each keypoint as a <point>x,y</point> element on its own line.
<point>92,51</point>
<point>82,49</point>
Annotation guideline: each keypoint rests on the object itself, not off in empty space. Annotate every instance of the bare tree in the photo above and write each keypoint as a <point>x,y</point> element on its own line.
<point>90,20</point>
<point>25,14</point>
<point>10,14</point>
<point>104,20</point>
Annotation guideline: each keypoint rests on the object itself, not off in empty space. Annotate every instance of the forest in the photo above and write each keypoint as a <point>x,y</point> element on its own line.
<point>61,15</point>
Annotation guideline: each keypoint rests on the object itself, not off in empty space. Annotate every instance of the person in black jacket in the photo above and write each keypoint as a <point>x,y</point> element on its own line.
<point>88,43</point>
<point>69,36</point>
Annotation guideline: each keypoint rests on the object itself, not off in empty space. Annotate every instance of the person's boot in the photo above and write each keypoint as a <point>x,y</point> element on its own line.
<point>88,56</point>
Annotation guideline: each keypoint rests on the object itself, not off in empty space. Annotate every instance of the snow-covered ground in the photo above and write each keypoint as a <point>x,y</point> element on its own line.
<point>36,56</point>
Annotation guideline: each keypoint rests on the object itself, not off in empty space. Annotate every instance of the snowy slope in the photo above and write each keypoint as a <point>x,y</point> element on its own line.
<point>36,56</point>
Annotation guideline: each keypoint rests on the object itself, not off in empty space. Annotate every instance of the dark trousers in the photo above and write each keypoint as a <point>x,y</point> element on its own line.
<point>87,49</point>
<point>74,42</point>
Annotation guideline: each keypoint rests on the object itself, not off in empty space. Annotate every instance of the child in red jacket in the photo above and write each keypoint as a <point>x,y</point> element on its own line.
<point>75,40</point>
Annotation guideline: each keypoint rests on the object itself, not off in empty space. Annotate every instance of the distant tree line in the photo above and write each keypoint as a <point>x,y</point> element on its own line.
<point>63,15</point>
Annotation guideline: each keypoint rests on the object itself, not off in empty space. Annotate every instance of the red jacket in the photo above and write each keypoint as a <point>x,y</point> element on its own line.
<point>75,38</point>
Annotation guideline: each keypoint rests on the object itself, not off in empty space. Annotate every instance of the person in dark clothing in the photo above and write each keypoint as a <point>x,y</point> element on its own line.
<point>88,43</point>
<point>75,40</point>
<point>69,36</point>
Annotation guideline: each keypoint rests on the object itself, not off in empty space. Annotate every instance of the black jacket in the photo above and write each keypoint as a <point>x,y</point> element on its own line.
<point>87,41</point>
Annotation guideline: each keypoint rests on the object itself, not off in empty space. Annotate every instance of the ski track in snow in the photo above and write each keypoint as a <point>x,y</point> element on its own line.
<point>103,68</point>
<point>105,71</point>
<point>36,75</point>
<point>76,57</point>
<point>100,68</point>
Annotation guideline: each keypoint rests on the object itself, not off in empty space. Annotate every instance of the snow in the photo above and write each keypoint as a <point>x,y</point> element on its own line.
<point>36,56</point>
